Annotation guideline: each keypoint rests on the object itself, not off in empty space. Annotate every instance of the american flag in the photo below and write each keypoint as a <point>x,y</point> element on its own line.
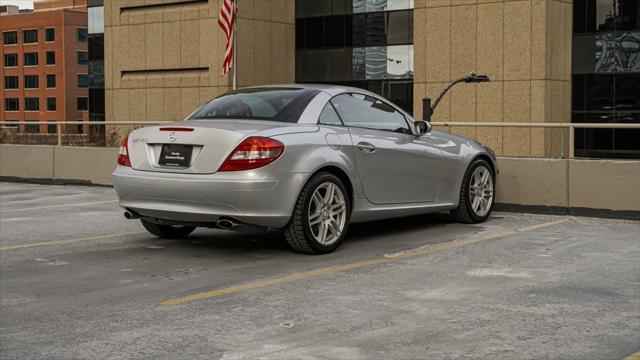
<point>227,21</point>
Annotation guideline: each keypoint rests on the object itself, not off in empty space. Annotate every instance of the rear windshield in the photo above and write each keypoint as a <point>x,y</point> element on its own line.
<point>274,104</point>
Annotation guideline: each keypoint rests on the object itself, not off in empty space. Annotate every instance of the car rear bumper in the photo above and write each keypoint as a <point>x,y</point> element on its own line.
<point>259,197</point>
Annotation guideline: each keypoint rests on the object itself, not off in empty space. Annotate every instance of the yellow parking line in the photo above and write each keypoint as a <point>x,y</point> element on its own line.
<point>635,356</point>
<point>59,206</point>
<point>64,242</point>
<point>351,266</point>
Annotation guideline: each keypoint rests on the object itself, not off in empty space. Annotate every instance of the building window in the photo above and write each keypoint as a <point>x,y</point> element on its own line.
<point>50,35</point>
<point>31,104</point>
<point>83,104</point>
<point>95,17</point>
<point>30,36</point>
<point>9,126</point>
<point>51,104</point>
<point>52,129</point>
<point>83,80</point>
<point>11,104</point>
<point>81,34</point>
<point>364,43</point>
<point>10,60</point>
<point>370,29</point>
<point>606,77</point>
<point>83,57</point>
<point>51,81</point>
<point>31,59</point>
<point>51,57</point>
<point>32,128</point>
<point>31,81</point>
<point>10,37</point>
<point>11,82</point>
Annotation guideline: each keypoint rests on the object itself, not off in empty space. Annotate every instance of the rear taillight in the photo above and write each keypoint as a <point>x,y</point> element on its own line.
<point>123,153</point>
<point>252,153</point>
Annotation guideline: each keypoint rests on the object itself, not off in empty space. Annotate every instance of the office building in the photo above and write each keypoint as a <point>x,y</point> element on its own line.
<point>44,66</point>
<point>550,61</point>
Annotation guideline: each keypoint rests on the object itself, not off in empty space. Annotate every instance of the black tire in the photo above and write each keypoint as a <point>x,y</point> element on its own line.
<point>464,212</point>
<point>298,232</point>
<point>167,231</point>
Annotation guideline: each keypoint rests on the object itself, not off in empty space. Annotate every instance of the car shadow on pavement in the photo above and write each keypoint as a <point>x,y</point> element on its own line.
<point>274,241</point>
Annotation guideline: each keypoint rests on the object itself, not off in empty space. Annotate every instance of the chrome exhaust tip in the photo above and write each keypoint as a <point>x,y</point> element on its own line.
<point>130,215</point>
<point>226,224</point>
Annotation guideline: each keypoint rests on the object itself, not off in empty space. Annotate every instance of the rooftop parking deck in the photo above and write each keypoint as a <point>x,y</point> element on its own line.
<point>78,281</point>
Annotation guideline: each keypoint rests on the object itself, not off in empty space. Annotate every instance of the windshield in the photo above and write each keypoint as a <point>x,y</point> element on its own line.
<point>274,104</point>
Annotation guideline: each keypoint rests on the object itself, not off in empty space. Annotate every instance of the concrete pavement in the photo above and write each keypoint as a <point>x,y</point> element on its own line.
<point>78,281</point>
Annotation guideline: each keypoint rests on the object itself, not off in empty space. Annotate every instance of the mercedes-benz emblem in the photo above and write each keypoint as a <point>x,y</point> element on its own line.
<point>173,137</point>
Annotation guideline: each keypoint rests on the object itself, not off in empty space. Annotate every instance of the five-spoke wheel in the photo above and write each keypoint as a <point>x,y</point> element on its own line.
<point>327,213</point>
<point>321,215</point>
<point>476,194</point>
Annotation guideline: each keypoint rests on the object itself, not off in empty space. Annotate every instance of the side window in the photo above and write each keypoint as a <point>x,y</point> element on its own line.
<point>363,111</point>
<point>328,116</point>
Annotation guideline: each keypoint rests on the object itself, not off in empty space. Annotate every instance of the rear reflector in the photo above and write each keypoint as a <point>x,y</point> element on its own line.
<point>123,152</point>
<point>175,129</point>
<point>252,153</point>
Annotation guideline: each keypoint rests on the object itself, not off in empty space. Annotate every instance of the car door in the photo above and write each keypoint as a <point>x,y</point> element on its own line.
<point>394,165</point>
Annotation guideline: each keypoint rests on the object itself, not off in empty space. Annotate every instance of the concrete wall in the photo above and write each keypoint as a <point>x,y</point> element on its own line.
<point>556,183</point>
<point>525,48</point>
<point>60,163</point>
<point>163,59</point>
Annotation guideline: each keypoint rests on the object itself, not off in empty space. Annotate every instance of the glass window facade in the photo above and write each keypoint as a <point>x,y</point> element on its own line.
<point>96,101</point>
<point>361,43</point>
<point>606,76</point>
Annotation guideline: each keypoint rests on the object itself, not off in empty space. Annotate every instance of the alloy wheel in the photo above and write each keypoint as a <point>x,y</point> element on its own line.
<point>481,191</point>
<point>327,213</point>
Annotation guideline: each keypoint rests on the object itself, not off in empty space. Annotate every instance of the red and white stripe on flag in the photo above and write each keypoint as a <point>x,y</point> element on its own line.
<point>226,21</point>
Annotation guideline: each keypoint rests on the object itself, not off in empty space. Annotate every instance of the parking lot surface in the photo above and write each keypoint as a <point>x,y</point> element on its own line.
<point>78,281</point>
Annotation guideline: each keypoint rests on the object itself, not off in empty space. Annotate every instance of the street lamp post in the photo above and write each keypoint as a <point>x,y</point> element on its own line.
<point>428,109</point>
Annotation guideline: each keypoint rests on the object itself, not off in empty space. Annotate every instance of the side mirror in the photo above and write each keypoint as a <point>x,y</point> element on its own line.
<point>422,127</point>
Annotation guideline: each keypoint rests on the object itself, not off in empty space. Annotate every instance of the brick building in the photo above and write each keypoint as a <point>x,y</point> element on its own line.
<point>44,66</point>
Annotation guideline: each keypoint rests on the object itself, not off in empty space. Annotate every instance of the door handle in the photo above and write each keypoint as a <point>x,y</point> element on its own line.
<point>366,147</point>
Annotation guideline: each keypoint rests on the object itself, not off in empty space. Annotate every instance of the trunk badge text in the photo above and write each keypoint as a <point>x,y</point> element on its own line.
<point>173,137</point>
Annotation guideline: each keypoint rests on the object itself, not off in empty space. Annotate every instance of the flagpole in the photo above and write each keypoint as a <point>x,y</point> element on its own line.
<point>235,46</point>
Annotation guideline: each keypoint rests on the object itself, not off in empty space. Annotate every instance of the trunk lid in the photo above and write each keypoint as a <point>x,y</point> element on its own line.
<point>206,143</point>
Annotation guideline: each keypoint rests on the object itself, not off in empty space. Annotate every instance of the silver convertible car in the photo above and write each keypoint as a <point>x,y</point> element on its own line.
<point>307,159</point>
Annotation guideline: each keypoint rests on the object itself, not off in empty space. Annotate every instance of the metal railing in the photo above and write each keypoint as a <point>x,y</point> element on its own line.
<point>570,126</point>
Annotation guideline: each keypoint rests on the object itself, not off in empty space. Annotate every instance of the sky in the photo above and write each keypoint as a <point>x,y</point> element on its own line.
<point>23,4</point>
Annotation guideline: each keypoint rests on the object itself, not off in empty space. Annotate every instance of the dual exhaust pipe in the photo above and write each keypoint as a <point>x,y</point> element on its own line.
<point>225,224</point>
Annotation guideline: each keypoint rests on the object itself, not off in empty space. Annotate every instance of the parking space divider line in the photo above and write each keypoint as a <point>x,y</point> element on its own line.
<point>634,356</point>
<point>68,241</point>
<point>352,266</point>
